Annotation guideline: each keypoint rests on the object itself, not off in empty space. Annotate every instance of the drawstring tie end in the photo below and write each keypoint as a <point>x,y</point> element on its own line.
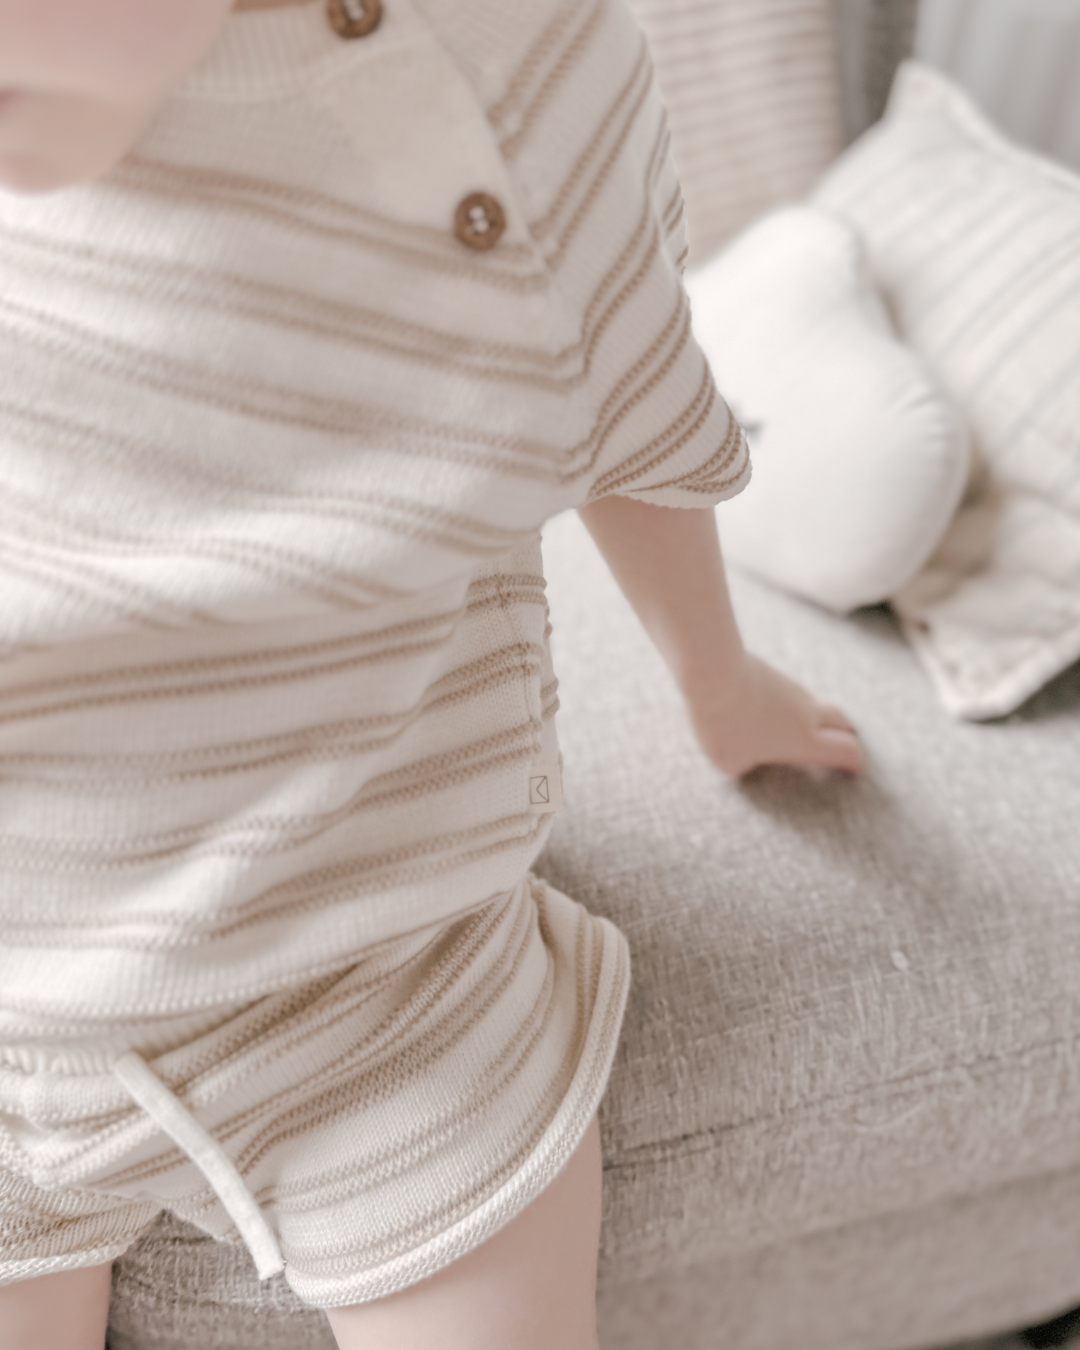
<point>175,1120</point>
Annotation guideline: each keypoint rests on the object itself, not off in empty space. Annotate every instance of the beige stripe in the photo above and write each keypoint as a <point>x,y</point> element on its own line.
<point>270,199</point>
<point>533,63</point>
<point>521,1144</point>
<point>307,1100</point>
<point>261,836</point>
<point>99,774</point>
<point>496,593</point>
<point>351,412</point>
<point>320,888</point>
<point>56,539</point>
<point>84,555</point>
<point>568,57</point>
<point>650,456</point>
<point>588,202</point>
<point>221,486</point>
<point>79,588</point>
<point>633,92</point>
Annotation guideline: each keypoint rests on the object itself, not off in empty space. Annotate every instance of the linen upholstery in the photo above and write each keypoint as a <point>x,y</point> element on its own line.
<point>923,1278</point>
<point>974,243</point>
<point>843,1110</point>
<point>752,94</point>
<point>849,999</point>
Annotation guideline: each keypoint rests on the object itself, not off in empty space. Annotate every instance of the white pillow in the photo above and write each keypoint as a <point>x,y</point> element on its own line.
<point>976,246</point>
<point>858,462</point>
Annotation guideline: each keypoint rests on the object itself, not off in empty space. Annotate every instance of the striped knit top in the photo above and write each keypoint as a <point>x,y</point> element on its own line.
<point>276,442</point>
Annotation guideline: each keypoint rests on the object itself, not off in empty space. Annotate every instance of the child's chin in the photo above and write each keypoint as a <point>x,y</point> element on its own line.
<point>19,173</point>
<point>49,142</point>
<point>30,176</point>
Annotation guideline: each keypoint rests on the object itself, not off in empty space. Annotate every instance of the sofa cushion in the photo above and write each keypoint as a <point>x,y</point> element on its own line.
<point>849,999</point>
<point>976,246</point>
<point>180,1289</point>
<point>935,1276</point>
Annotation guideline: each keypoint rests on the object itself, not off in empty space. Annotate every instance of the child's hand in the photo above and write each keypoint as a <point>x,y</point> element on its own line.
<point>756,716</point>
<point>745,713</point>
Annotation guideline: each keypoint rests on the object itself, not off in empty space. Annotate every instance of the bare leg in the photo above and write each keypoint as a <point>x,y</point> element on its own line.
<point>531,1287</point>
<point>66,1311</point>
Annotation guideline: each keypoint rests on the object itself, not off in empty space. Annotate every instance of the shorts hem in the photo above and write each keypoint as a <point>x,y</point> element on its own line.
<point>30,1268</point>
<point>553,1151</point>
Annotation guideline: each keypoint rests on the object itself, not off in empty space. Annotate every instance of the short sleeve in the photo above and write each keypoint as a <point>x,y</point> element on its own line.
<point>673,441</point>
<point>622,390</point>
<point>660,429</point>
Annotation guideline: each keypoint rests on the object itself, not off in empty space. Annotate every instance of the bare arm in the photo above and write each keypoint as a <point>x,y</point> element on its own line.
<point>668,565</point>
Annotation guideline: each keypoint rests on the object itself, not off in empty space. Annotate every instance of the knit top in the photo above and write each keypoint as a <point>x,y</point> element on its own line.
<point>276,442</point>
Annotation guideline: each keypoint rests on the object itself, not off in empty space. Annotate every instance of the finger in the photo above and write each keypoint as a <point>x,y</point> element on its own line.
<point>830,716</point>
<point>836,748</point>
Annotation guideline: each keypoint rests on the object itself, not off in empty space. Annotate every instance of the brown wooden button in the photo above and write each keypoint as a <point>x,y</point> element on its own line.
<point>354,18</point>
<point>479,221</point>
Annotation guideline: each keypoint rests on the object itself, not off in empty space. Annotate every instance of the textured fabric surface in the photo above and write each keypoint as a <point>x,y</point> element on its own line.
<point>859,459</point>
<point>974,243</point>
<point>386,1119</point>
<point>843,1110</point>
<point>910,1281</point>
<point>850,999</point>
<point>275,448</point>
<point>1019,58</point>
<point>178,1289</point>
<point>753,98</point>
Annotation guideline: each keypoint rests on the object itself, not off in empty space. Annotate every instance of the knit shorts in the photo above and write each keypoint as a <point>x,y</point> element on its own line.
<point>369,1128</point>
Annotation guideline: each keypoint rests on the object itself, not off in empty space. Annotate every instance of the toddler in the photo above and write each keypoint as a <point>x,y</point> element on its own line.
<point>311,314</point>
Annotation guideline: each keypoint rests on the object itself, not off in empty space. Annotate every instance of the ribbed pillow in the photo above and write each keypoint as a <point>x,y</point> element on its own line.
<point>976,246</point>
<point>753,95</point>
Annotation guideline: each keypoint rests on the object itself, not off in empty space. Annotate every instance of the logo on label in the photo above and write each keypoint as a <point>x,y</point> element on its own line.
<point>545,789</point>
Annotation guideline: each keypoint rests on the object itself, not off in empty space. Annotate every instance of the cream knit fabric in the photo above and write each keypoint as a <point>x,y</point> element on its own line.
<point>275,448</point>
<point>385,1118</point>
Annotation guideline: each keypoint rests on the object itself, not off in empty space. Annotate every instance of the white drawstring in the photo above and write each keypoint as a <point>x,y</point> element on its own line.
<point>208,1156</point>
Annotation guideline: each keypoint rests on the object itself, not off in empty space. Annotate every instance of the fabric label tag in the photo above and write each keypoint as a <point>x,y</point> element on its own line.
<point>545,789</point>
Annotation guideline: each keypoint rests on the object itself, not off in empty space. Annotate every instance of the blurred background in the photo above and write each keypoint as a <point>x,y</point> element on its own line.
<point>763,94</point>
